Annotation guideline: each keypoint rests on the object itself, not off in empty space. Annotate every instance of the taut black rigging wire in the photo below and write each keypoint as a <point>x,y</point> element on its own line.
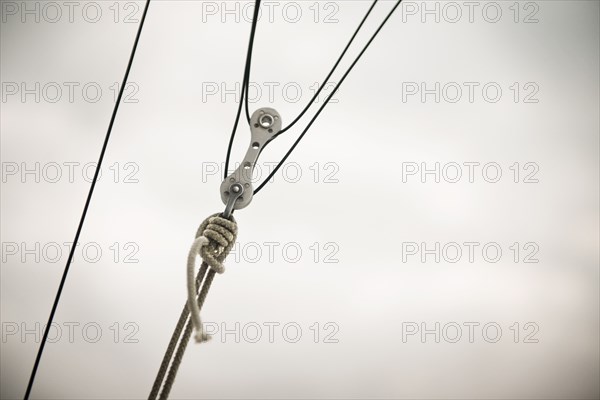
<point>326,100</point>
<point>245,86</point>
<point>320,88</point>
<point>85,208</point>
<point>246,81</point>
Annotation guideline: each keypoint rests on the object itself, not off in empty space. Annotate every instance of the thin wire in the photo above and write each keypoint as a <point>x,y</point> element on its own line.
<point>85,208</point>
<point>245,85</point>
<point>316,95</point>
<point>249,58</point>
<point>327,100</point>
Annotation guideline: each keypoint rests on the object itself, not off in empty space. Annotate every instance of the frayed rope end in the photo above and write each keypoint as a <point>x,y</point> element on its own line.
<point>202,337</point>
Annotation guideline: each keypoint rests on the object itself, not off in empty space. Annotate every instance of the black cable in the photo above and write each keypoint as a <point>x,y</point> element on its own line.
<point>245,86</point>
<point>311,102</point>
<point>246,82</point>
<point>85,208</point>
<point>235,125</point>
<point>249,58</point>
<point>326,100</point>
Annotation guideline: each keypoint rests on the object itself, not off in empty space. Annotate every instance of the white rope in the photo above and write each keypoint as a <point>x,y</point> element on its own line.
<point>200,336</point>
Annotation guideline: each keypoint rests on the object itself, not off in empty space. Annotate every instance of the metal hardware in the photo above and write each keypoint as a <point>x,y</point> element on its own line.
<point>237,189</point>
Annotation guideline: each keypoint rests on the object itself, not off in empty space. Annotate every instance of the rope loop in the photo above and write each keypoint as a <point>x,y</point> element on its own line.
<point>214,240</point>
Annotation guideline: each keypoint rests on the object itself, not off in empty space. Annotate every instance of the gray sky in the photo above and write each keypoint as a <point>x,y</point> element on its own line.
<point>435,234</point>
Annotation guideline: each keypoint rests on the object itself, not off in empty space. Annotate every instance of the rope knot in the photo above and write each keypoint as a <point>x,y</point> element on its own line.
<point>220,234</point>
<point>214,239</point>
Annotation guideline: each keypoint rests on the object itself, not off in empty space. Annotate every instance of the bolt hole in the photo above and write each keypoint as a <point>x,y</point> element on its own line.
<point>270,130</point>
<point>247,166</point>
<point>255,145</point>
<point>266,121</point>
<point>256,125</point>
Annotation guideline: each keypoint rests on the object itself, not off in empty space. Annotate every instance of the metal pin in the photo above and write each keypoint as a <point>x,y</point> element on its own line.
<point>235,192</point>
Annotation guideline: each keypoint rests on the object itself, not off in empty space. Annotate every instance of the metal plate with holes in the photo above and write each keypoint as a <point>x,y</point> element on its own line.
<point>265,123</point>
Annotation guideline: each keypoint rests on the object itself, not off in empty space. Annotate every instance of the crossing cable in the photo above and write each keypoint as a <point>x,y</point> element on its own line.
<point>274,171</point>
<point>245,84</point>
<point>245,87</point>
<point>246,81</point>
<point>85,208</point>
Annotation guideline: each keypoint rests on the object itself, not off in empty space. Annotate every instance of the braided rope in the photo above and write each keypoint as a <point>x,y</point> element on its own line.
<point>164,366</point>
<point>164,394</point>
<point>214,240</point>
